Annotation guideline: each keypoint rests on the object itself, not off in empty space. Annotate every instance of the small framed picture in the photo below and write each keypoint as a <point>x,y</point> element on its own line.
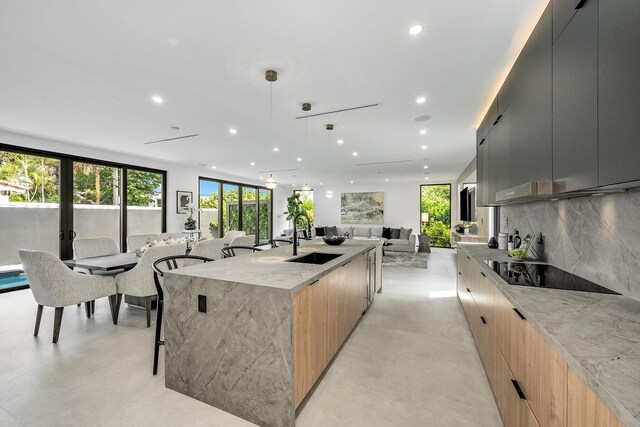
<point>183,199</point>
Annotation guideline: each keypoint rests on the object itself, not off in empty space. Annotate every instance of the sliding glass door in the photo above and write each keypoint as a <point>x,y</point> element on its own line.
<point>49,199</point>
<point>96,200</point>
<point>144,202</point>
<point>264,216</point>
<point>29,211</point>
<point>209,202</point>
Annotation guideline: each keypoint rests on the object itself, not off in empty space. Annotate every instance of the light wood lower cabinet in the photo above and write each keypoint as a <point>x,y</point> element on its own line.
<point>584,408</point>
<point>531,382</point>
<point>324,314</point>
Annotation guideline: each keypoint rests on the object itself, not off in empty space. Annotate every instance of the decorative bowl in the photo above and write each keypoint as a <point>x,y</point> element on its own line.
<point>333,240</point>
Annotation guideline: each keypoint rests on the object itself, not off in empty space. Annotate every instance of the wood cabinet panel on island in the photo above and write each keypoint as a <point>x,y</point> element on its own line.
<point>531,382</point>
<point>324,315</point>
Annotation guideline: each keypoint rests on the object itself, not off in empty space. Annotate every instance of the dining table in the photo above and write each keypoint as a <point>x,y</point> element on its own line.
<point>105,263</point>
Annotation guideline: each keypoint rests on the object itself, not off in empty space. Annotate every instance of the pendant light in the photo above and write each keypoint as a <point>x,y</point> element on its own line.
<point>271,76</point>
<point>329,127</point>
<point>306,190</point>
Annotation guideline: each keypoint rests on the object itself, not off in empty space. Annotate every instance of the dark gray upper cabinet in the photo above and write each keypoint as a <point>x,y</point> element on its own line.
<point>492,114</point>
<point>575,101</point>
<point>482,172</point>
<point>563,11</point>
<point>503,97</point>
<point>619,91</point>
<point>530,93</point>
<point>499,155</point>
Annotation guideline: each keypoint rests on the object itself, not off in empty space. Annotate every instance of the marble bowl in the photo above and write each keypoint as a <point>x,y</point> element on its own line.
<point>333,240</point>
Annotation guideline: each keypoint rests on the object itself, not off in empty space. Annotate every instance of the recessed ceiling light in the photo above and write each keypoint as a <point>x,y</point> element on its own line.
<point>355,153</point>
<point>299,159</point>
<point>421,100</point>
<point>233,131</point>
<point>426,177</point>
<point>276,149</point>
<point>213,167</point>
<point>322,183</point>
<point>387,180</point>
<point>262,178</point>
<point>157,99</point>
<point>351,182</point>
<point>253,163</point>
<point>424,147</point>
<point>423,131</point>
<point>426,167</point>
<point>340,141</point>
<point>415,30</point>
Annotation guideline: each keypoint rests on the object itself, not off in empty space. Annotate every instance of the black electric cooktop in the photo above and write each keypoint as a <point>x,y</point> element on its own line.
<point>544,276</point>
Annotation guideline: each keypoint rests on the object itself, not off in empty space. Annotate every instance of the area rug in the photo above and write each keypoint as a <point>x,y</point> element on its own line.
<point>405,259</point>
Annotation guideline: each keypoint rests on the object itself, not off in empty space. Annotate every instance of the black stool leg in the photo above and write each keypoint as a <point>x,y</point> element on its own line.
<point>148,304</point>
<point>158,342</point>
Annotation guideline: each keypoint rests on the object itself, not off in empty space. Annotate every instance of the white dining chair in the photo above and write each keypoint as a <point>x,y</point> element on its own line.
<point>136,241</point>
<point>230,235</point>
<point>89,248</point>
<point>209,248</point>
<point>138,281</point>
<point>249,240</point>
<point>53,284</point>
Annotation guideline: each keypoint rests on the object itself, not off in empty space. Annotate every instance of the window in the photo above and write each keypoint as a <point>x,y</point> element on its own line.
<point>435,213</point>
<point>244,207</point>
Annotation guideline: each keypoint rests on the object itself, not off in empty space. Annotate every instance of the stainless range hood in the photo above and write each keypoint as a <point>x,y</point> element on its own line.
<point>529,191</point>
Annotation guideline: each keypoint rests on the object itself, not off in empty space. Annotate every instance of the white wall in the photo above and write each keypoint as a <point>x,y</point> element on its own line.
<point>179,177</point>
<point>401,204</point>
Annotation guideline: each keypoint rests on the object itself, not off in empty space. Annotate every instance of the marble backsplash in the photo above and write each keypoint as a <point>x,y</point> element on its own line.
<point>597,238</point>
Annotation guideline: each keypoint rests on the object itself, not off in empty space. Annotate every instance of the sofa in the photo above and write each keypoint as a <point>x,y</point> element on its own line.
<point>405,244</point>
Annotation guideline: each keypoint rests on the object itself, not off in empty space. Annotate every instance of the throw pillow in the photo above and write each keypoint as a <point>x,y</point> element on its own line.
<point>405,233</point>
<point>331,231</point>
<point>395,233</point>
<point>386,232</point>
<point>376,231</point>
<point>320,231</point>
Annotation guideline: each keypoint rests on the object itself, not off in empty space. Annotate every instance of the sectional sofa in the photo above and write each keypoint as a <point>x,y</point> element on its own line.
<point>405,242</point>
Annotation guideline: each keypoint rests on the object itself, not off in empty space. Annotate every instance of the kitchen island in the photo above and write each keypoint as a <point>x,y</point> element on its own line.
<point>252,334</point>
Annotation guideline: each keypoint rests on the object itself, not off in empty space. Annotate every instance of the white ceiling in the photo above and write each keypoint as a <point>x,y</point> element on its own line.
<point>85,71</point>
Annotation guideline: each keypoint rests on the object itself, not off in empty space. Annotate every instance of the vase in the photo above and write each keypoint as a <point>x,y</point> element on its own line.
<point>190,225</point>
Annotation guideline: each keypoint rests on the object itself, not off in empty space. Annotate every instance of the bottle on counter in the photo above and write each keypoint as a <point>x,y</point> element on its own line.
<point>510,243</point>
<point>502,241</point>
<point>517,240</point>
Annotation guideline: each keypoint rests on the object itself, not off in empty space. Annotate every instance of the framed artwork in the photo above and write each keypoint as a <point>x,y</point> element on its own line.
<point>362,208</point>
<point>184,198</point>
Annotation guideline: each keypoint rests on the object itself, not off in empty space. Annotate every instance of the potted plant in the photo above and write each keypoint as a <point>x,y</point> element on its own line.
<point>191,223</point>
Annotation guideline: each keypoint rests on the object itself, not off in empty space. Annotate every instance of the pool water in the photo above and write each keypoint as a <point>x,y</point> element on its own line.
<point>12,279</point>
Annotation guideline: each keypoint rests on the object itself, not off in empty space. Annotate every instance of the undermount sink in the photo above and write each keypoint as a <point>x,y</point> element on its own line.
<point>315,258</point>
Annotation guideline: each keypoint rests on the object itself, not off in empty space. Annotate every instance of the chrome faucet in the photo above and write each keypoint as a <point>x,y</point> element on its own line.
<point>295,230</point>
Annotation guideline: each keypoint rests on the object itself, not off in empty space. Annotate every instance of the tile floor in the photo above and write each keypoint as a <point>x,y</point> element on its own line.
<point>410,362</point>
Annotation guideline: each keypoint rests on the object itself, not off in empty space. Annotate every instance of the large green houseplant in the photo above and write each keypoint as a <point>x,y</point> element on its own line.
<point>294,207</point>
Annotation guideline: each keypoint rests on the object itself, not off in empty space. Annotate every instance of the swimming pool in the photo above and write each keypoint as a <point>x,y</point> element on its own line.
<point>11,280</point>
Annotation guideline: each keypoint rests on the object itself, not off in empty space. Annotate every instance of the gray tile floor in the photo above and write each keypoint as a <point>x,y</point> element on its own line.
<point>410,362</point>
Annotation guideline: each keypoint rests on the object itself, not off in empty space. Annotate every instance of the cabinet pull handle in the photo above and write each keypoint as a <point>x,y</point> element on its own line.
<point>580,4</point>
<point>468,257</point>
<point>482,142</point>
<point>345,263</point>
<point>497,119</point>
<point>459,273</point>
<point>518,390</point>
<point>519,314</point>
<point>483,320</point>
<point>313,283</point>
<point>483,275</point>
<point>468,290</point>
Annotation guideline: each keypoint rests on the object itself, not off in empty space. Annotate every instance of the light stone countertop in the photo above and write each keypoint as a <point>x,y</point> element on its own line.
<point>270,269</point>
<point>598,335</point>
